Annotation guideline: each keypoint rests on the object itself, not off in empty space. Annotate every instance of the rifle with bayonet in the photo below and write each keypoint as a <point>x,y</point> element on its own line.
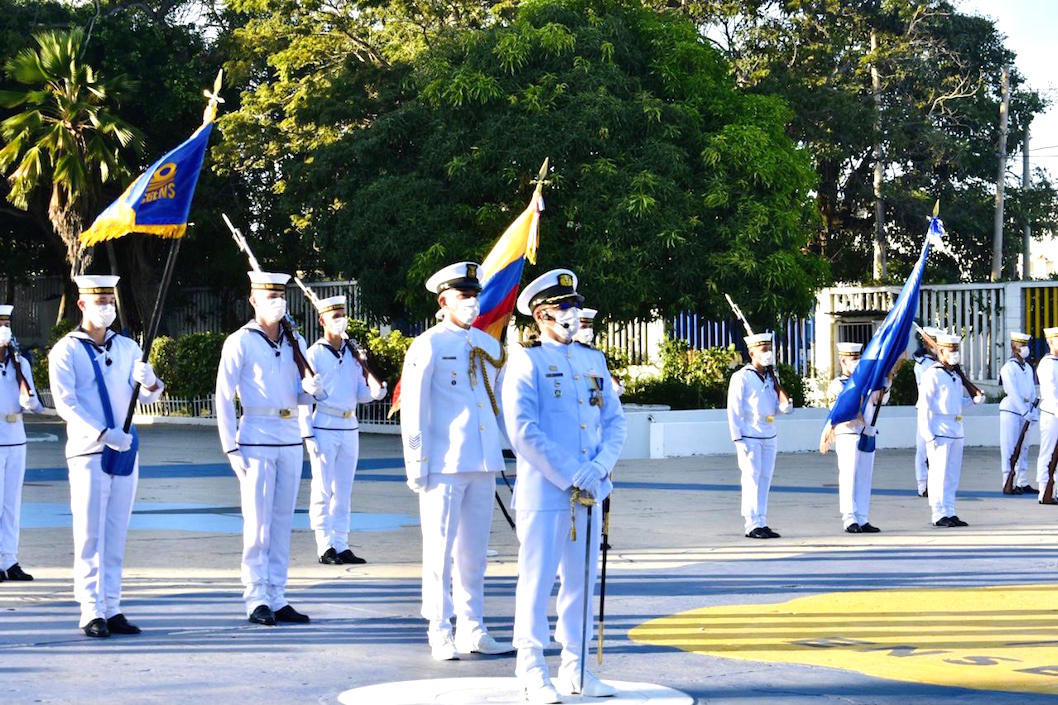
<point>287,325</point>
<point>770,369</point>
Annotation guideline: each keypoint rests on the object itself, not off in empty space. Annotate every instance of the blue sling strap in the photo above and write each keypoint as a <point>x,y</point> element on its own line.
<point>114,462</point>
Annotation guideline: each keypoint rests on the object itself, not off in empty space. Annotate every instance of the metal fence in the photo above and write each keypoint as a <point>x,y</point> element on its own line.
<point>794,339</point>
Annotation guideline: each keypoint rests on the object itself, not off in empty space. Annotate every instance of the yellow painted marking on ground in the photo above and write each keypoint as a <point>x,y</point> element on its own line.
<point>995,638</point>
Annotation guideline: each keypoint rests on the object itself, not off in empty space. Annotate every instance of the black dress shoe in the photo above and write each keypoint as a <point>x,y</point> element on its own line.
<point>347,556</point>
<point>758,533</point>
<point>956,521</point>
<point>330,557</point>
<point>97,628</point>
<point>924,493</point>
<point>15,572</point>
<point>869,528</point>
<point>1013,490</point>
<point>1028,489</point>
<point>3,574</point>
<point>771,534</point>
<point>944,521</point>
<point>263,615</point>
<point>118,624</point>
<point>853,528</point>
<point>289,614</point>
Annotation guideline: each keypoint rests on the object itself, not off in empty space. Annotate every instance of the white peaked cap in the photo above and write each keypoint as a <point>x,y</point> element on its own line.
<point>269,281</point>
<point>549,288</point>
<point>753,341</point>
<point>1050,332</point>
<point>96,283</point>
<point>461,275</point>
<point>1019,337</point>
<point>6,310</point>
<point>949,340</point>
<point>933,331</point>
<point>331,303</point>
<point>849,348</point>
<point>588,314</point>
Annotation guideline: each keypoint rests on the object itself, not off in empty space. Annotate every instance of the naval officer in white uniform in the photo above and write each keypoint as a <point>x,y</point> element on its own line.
<point>942,392</point>
<point>855,467</point>
<point>1047,372</point>
<point>453,450</point>
<point>18,395</point>
<point>924,358</point>
<point>753,400</point>
<point>333,441</point>
<point>257,364</point>
<point>100,503</point>
<point>567,428</point>
<point>1017,407</point>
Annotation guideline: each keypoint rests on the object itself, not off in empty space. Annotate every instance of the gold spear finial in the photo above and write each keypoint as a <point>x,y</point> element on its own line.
<point>539,180</point>
<point>214,97</point>
<point>936,208</point>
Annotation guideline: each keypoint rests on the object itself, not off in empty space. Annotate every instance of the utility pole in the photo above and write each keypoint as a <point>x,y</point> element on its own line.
<point>876,154</point>
<point>997,238</point>
<point>1026,234</point>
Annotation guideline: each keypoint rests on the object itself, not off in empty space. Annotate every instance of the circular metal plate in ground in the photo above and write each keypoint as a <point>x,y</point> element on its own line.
<point>497,691</point>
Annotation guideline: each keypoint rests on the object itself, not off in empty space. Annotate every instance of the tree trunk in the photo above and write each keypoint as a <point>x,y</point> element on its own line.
<point>876,153</point>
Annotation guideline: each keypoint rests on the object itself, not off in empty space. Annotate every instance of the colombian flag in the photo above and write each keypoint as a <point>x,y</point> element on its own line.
<point>501,272</point>
<point>157,203</point>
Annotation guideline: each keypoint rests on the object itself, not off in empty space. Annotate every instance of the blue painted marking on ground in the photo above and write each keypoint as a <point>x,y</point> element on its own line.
<point>151,472</point>
<point>163,516</point>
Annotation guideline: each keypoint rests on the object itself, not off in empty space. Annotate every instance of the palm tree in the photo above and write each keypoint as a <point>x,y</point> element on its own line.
<point>65,139</point>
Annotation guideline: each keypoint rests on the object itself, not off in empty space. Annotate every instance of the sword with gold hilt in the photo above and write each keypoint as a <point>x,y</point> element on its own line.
<point>583,499</point>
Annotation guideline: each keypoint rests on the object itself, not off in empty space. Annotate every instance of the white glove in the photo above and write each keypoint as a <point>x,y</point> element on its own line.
<point>30,403</point>
<point>590,484</point>
<point>117,439</point>
<point>313,385</point>
<point>378,391</point>
<point>238,464</point>
<point>586,472</point>
<point>312,446</point>
<point>142,373</point>
<point>979,399</point>
<point>418,484</point>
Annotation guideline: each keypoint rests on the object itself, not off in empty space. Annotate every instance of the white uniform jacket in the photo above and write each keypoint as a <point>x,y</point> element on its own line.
<point>943,394</point>
<point>446,419</point>
<point>561,411</point>
<point>73,386</point>
<point>921,365</point>
<point>12,431</point>
<point>343,380</point>
<point>752,403</point>
<point>1047,373</point>
<point>1019,385</point>
<point>264,376</point>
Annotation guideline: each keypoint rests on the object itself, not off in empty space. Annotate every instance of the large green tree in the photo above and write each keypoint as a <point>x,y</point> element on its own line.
<point>932,116</point>
<point>669,185</point>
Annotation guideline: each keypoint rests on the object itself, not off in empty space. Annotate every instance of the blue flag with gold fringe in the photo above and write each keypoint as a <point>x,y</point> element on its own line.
<point>157,203</point>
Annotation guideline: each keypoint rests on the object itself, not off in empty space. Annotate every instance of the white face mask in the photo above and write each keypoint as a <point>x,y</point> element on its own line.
<point>954,358</point>
<point>1023,352</point>
<point>585,335</point>
<point>338,325</point>
<point>466,310</point>
<point>851,365</point>
<point>100,315</point>
<point>5,335</point>
<point>767,359</point>
<point>567,322</point>
<point>272,310</point>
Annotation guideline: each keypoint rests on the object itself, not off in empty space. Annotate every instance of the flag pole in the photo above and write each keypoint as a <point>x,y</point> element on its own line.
<point>152,327</point>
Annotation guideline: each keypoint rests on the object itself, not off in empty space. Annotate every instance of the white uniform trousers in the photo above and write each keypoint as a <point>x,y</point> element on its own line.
<point>545,550</point>
<point>1009,429</point>
<point>1048,437</point>
<point>100,507</point>
<point>945,469</point>
<point>855,473</point>
<point>756,460</point>
<point>455,511</point>
<point>333,471</point>
<point>268,490</point>
<point>12,473</point>
<point>921,457</point>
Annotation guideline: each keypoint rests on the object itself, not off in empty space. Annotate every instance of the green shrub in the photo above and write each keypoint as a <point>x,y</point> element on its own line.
<point>163,360</point>
<point>387,352</point>
<point>905,390</point>
<point>188,365</point>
